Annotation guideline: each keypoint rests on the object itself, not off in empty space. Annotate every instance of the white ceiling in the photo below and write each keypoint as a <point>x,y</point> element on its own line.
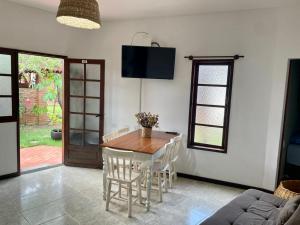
<point>130,9</point>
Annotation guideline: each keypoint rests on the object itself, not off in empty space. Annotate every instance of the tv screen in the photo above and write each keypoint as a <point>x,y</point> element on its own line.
<point>148,62</point>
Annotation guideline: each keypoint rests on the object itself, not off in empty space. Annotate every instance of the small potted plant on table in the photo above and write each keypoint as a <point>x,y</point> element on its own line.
<point>147,121</point>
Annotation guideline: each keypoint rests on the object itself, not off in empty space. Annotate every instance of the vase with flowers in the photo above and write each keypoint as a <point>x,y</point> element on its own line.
<point>147,121</point>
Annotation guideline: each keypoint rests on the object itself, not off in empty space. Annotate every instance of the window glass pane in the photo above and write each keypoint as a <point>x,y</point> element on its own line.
<point>92,106</point>
<point>211,95</point>
<point>77,70</point>
<point>93,89</point>
<point>213,74</point>
<point>208,135</point>
<point>93,71</point>
<point>5,64</point>
<point>76,121</point>
<point>5,107</point>
<point>76,88</point>
<point>91,122</point>
<point>91,138</point>
<point>5,85</point>
<point>210,115</point>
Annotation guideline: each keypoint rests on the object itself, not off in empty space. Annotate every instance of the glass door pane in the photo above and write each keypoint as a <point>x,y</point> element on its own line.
<point>93,72</point>
<point>92,106</point>
<point>92,89</point>
<point>76,137</point>
<point>5,106</point>
<point>76,105</point>
<point>91,122</point>
<point>91,138</point>
<point>5,85</point>
<point>76,88</point>
<point>76,71</point>
<point>5,64</point>
<point>76,121</point>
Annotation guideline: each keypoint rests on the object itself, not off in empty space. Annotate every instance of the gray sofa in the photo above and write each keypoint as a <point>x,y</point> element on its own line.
<point>255,207</point>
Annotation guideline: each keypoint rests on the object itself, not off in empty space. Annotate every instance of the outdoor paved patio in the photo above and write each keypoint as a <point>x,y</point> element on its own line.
<point>40,156</point>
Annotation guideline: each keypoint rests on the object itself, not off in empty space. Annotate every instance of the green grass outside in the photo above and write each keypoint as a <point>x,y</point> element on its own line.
<point>37,135</point>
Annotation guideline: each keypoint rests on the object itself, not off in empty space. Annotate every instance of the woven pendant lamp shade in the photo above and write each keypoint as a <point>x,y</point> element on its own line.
<point>79,13</point>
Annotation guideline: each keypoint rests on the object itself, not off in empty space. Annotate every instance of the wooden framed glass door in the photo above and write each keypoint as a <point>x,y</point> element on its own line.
<point>84,112</point>
<point>9,141</point>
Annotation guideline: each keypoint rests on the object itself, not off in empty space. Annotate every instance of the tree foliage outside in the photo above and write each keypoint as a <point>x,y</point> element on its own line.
<point>49,72</point>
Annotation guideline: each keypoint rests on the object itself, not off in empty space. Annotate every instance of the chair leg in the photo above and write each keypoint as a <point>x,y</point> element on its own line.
<point>165,181</point>
<point>108,190</point>
<point>170,178</point>
<point>175,172</point>
<point>159,187</point>
<point>129,199</point>
<point>120,189</point>
<point>139,190</point>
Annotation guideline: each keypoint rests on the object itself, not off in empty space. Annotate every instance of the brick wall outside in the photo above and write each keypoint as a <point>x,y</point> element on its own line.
<point>29,98</point>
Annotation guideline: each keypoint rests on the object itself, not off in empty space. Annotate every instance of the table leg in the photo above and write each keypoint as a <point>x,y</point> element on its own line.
<point>148,186</point>
<point>104,179</point>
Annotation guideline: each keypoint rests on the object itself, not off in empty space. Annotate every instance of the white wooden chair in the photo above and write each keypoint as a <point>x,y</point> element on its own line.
<point>160,168</point>
<point>118,172</point>
<point>173,158</point>
<point>122,131</point>
<point>108,137</point>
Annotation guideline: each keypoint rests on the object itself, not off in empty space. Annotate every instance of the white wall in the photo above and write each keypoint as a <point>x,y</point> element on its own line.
<point>251,33</point>
<point>267,38</point>
<point>287,47</point>
<point>32,29</point>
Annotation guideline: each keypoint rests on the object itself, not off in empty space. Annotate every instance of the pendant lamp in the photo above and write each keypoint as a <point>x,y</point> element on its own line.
<point>79,13</point>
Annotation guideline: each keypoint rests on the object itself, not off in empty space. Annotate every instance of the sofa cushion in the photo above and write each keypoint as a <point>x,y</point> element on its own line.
<point>295,218</point>
<point>287,211</point>
<point>251,207</point>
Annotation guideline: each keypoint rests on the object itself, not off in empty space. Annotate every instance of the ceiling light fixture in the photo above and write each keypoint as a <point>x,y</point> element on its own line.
<point>79,13</point>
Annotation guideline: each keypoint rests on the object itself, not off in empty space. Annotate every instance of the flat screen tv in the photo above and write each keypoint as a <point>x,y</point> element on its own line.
<point>148,62</point>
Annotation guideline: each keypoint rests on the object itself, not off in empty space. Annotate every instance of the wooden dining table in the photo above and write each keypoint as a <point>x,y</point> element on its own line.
<point>145,150</point>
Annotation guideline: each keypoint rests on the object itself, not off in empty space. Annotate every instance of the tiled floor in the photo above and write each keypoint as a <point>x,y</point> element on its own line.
<point>72,196</point>
<point>40,156</point>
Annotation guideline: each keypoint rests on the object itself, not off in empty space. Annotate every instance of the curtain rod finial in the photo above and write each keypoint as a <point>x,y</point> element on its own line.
<point>191,57</point>
<point>238,56</point>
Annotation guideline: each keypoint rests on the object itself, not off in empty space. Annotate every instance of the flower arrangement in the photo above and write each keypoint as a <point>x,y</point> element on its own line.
<point>147,120</point>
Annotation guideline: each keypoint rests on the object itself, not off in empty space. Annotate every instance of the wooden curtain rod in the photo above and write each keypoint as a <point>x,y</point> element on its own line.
<point>235,57</point>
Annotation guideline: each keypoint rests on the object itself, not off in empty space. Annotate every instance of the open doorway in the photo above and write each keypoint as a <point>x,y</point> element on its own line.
<point>289,167</point>
<point>40,111</point>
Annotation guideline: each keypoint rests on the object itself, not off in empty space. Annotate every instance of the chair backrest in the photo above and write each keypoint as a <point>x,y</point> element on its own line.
<point>107,137</point>
<point>165,159</point>
<point>177,144</point>
<point>122,131</point>
<point>116,161</point>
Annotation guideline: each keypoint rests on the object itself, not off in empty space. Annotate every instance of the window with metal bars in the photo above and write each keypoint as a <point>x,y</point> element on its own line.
<point>210,104</point>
